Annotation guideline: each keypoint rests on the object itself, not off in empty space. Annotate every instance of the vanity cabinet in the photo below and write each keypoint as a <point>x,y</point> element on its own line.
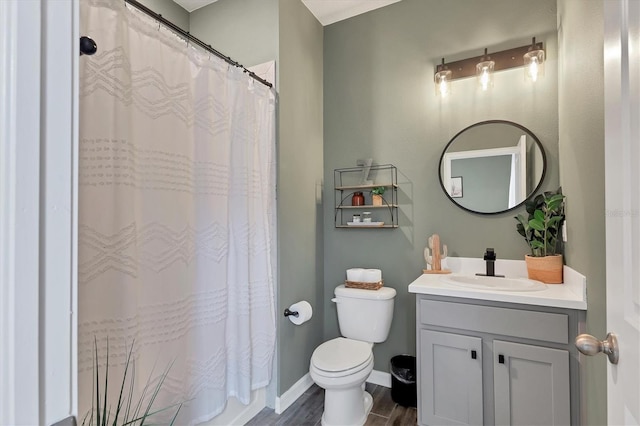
<point>349,181</point>
<point>484,363</point>
<point>450,378</point>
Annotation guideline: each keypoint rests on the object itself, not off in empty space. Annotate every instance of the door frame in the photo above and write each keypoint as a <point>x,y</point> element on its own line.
<point>38,210</point>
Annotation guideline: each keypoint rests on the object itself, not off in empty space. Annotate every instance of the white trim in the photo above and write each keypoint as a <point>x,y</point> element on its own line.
<point>252,409</point>
<point>57,157</point>
<point>19,211</point>
<point>74,209</point>
<point>290,396</point>
<point>235,413</point>
<point>380,378</point>
<point>38,137</point>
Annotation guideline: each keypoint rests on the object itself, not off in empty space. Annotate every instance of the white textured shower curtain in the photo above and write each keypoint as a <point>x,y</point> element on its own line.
<point>176,215</point>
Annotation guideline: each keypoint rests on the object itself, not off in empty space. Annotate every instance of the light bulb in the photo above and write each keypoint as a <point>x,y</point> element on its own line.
<point>484,78</point>
<point>484,72</point>
<point>534,64</point>
<point>443,82</point>
<point>443,86</point>
<point>533,70</point>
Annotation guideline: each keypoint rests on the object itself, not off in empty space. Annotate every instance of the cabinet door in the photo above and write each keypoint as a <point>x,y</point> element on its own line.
<point>450,379</point>
<point>531,385</point>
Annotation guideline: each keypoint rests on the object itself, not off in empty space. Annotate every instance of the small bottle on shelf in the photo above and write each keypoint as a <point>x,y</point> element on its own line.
<point>357,199</point>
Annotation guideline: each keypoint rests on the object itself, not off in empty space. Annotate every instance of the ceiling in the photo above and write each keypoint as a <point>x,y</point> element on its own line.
<point>326,11</point>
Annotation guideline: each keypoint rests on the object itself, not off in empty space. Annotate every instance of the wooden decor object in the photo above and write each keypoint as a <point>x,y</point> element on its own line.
<point>433,257</point>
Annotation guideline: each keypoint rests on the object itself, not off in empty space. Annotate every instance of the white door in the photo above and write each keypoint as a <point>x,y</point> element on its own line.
<point>622,162</point>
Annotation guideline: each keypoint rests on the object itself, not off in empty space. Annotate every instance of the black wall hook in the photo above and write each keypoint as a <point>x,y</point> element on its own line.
<point>87,46</point>
<point>287,313</point>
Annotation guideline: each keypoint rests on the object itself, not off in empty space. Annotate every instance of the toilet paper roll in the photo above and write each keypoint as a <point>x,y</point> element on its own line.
<point>304,310</point>
<point>371,276</point>
<point>355,274</point>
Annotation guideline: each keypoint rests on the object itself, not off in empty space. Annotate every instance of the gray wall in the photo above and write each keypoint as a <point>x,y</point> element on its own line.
<point>380,102</point>
<point>170,10</point>
<point>485,182</point>
<point>245,30</point>
<point>300,169</point>
<point>581,113</point>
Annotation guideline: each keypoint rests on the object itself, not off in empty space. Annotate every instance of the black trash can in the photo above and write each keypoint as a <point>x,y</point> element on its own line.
<point>403,380</point>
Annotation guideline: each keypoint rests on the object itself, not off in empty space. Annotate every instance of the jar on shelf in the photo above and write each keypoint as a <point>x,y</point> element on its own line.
<point>357,199</point>
<point>366,217</point>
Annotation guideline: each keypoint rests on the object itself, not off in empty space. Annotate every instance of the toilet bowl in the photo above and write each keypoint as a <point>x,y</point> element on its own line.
<point>341,367</point>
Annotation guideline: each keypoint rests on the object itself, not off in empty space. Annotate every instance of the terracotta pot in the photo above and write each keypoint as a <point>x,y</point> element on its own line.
<point>547,269</point>
<point>376,199</point>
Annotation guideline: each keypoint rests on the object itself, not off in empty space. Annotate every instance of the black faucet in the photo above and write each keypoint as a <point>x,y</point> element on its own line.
<point>490,258</point>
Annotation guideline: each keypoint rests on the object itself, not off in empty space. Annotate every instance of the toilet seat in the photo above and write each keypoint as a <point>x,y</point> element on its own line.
<point>341,357</point>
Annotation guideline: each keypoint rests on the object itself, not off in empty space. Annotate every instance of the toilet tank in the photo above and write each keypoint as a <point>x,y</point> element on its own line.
<point>365,314</point>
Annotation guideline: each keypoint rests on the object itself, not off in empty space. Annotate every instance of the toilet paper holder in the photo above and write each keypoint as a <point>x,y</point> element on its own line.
<point>287,313</point>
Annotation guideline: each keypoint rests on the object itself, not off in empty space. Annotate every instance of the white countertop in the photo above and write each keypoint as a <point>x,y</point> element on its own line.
<point>571,294</point>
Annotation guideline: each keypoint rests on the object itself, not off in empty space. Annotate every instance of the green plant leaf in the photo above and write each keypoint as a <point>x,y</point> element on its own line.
<point>537,244</point>
<point>378,190</point>
<point>538,215</point>
<point>555,220</point>
<point>537,224</point>
<point>555,198</point>
<point>102,408</point>
<point>531,206</point>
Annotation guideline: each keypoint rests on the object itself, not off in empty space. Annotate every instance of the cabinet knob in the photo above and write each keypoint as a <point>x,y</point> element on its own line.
<point>589,345</point>
<point>474,354</point>
<point>501,359</point>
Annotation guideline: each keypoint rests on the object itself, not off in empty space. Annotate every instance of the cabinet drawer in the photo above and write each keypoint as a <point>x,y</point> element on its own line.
<point>548,327</point>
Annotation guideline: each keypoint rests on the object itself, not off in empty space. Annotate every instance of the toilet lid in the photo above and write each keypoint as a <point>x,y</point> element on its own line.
<point>341,354</point>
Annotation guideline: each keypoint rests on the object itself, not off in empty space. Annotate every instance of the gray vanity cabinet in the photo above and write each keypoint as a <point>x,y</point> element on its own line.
<point>530,385</point>
<point>485,363</point>
<point>450,378</point>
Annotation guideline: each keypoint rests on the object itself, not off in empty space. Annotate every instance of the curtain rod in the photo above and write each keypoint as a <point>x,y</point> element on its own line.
<point>185,34</point>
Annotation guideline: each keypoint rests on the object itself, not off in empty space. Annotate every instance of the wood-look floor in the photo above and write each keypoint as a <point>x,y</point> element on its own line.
<point>307,410</point>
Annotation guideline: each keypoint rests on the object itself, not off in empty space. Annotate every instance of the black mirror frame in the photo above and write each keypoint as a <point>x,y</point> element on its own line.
<point>511,123</point>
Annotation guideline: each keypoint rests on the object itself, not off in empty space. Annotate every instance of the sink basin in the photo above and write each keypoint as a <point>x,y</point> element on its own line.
<point>494,283</point>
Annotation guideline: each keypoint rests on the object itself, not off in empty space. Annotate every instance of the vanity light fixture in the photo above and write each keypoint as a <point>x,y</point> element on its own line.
<point>530,56</point>
<point>484,72</point>
<point>442,80</point>
<point>534,61</point>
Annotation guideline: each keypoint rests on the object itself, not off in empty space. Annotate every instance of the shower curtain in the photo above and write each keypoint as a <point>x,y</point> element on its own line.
<point>176,215</point>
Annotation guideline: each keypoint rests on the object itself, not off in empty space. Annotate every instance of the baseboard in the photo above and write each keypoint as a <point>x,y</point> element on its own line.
<point>380,378</point>
<point>285,400</point>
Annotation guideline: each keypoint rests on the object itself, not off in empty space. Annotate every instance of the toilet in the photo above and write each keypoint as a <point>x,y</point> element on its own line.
<point>342,365</point>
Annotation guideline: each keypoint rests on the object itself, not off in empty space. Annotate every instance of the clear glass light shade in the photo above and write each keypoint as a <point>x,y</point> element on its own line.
<point>442,80</point>
<point>484,73</point>
<point>534,65</point>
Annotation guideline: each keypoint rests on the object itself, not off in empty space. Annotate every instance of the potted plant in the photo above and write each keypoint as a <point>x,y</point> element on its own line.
<point>376,195</point>
<point>541,229</point>
<point>127,410</point>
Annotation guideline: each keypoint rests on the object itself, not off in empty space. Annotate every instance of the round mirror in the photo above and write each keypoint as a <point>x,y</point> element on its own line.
<point>492,167</point>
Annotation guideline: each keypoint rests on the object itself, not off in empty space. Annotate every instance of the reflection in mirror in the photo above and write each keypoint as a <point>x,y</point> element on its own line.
<point>492,167</point>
